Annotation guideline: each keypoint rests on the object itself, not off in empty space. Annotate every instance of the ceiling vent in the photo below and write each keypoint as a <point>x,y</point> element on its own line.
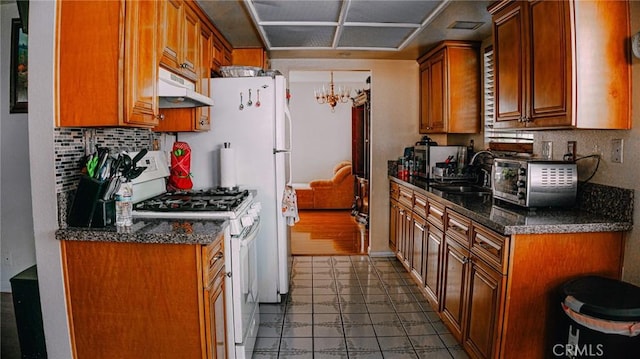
<point>465,25</point>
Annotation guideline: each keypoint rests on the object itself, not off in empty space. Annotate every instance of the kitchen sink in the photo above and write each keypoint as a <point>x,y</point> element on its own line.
<point>462,189</point>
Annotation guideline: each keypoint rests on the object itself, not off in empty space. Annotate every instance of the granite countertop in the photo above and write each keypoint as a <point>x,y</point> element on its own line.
<point>151,230</point>
<point>510,219</point>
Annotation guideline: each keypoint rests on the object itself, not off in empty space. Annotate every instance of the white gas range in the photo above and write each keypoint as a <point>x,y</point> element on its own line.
<point>238,207</point>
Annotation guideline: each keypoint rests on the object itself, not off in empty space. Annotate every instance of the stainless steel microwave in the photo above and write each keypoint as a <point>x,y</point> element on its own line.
<point>535,183</point>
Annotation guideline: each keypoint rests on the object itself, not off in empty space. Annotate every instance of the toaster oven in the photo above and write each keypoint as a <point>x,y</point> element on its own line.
<point>535,183</point>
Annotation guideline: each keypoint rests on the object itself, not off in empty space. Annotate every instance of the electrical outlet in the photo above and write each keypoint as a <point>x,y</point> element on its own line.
<point>547,150</point>
<point>571,151</point>
<point>617,146</point>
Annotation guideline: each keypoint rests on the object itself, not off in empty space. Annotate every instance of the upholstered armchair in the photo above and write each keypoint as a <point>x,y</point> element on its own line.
<point>334,193</point>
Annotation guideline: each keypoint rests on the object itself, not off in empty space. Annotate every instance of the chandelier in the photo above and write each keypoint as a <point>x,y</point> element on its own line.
<point>332,98</point>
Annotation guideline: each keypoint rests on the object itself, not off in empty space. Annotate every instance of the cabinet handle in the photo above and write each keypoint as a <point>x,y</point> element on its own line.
<point>466,260</point>
<point>436,211</point>
<point>160,116</point>
<point>458,225</point>
<point>183,65</point>
<point>202,122</point>
<point>228,274</point>
<point>483,242</point>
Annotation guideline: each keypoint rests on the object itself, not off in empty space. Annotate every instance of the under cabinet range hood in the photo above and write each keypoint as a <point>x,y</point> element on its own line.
<point>177,92</point>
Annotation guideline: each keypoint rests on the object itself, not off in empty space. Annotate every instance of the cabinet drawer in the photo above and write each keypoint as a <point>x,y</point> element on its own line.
<point>394,191</point>
<point>458,227</point>
<point>213,260</point>
<point>490,246</point>
<point>420,205</point>
<point>435,214</point>
<point>406,196</point>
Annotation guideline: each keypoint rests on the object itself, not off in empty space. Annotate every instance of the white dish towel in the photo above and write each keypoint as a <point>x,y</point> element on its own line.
<point>290,205</point>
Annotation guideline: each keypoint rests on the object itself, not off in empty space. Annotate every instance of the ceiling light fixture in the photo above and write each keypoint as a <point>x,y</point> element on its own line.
<point>332,98</point>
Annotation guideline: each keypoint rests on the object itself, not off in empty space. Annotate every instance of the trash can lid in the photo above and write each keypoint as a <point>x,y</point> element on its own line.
<point>603,298</point>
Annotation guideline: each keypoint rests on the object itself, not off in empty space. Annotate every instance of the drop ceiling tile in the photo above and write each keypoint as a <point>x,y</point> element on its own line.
<point>297,10</point>
<point>300,36</point>
<point>366,36</point>
<point>413,12</point>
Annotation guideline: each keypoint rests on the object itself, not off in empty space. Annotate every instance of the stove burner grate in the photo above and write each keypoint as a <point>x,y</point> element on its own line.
<point>201,200</point>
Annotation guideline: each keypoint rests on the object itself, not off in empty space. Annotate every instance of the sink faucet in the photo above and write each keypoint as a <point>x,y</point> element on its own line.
<point>486,178</point>
<point>479,153</point>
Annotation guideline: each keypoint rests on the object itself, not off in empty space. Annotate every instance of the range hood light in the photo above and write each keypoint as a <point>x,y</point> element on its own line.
<point>177,92</point>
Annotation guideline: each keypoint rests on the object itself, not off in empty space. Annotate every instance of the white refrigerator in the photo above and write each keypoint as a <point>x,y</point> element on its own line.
<point>251,113</point>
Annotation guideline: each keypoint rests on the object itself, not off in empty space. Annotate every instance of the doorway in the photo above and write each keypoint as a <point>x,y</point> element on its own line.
<point>323,138</point>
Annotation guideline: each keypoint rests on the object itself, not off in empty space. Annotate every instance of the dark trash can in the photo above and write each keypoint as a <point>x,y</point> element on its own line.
<point>26,304</point>
<point>602,319</point>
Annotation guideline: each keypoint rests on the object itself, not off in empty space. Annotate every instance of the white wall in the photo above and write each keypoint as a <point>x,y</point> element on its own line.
<point>321,138</point>
<point>45,223</point>
<point>394,125</point>
<point>16,223</point>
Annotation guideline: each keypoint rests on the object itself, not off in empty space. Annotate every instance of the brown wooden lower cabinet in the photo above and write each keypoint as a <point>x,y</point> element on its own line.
<point>135,300</point>
<point>454,285</point>
<point>432,257</point>
<point>483,309</point>
<point>417,256</point>
<point>497,294</point>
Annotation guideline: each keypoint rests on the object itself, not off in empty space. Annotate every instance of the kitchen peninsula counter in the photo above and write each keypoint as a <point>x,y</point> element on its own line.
<point>151,230</point>
<point>510,219</point>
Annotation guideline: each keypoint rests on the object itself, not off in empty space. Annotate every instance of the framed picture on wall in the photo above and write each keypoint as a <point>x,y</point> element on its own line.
<point>19,68</point>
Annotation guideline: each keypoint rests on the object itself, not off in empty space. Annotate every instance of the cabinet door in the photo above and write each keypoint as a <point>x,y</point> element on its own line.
<point>433,264</point>
<point>191,44</point>
<point>394,213</point>
<point>407,238</point>
<point>170,20</point>
<point>141,69</point>
<point>453,287</point>
<point>417,253</point>
<point>215,304</point>
<point>483,309</point>
<point>203,114</point>
<point>550,64</point>
<point>424,98</point>
<point>509,55</point>
<point>438,93</point>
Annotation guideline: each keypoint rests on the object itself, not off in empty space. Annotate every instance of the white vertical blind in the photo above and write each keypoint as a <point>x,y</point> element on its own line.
<point>490,134</point>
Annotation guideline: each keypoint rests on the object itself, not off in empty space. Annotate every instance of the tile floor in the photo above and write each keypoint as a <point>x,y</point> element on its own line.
<point>352,307</point>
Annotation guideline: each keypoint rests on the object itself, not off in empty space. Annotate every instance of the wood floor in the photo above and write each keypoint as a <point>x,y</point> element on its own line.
<point>9,338</point>
<point>328,232</point>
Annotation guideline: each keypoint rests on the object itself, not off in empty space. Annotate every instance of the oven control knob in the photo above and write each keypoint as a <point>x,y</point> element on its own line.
<point>257,206</point>
<point>247,221</point>
<point>521,184</point>
<point>253,212</point>
<point>521,195</point>
<point>522,171</point>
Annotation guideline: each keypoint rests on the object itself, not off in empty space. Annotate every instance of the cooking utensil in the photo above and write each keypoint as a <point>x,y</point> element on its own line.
<point>138,157</point>
<point>258,100</point>
<point>241,107</point>
<point>92,163</point>
<point>134,173</point>
<point>249,103</point>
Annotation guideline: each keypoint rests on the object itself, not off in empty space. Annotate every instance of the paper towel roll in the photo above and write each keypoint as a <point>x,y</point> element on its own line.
<point>227,168</point>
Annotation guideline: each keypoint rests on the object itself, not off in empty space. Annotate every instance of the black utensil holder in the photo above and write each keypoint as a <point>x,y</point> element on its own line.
<point>88,209</point>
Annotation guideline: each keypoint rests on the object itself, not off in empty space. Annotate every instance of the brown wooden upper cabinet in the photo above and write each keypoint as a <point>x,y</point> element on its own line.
<point>541,82</point>
<point>450,88</point>
<point>179,36</point>
<point>250,57</point>
<point>122,87</point>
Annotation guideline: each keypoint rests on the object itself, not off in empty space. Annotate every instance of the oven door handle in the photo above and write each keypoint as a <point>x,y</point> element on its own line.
<point>252,234</point>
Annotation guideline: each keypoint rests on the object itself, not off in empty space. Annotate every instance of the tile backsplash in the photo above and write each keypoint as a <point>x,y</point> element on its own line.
<point>70,144</point>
